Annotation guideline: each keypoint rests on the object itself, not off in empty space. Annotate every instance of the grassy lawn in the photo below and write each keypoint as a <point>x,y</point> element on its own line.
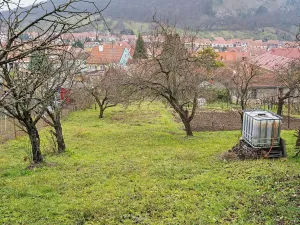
<point>137,167</point>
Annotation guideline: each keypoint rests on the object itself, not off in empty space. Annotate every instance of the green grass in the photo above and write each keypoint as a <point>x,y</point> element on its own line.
<point>137,167</point>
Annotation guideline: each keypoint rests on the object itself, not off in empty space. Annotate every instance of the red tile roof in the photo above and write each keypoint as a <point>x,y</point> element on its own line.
<point>237,49</point>
<point>291,53</point>
<point>219,39</point>
<point>111,53</point>
<point>277,57</point>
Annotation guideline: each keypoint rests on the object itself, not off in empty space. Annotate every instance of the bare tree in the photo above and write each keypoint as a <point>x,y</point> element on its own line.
<point>48,27</point>
<point>65,77</point>
<point>26,97</point>
<point>289,75</point>
<point>298,132</point>
<point>244,74</point>
<point>105,87</point>
<point>173,73</point>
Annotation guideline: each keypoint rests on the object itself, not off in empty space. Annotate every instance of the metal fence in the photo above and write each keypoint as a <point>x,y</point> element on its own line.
<point>11,129</point>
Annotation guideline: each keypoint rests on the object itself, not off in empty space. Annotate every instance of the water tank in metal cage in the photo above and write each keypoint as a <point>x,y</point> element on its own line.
<point>261,129</point>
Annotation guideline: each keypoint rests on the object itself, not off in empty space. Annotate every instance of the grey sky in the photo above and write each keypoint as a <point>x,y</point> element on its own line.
<point>27,2</point>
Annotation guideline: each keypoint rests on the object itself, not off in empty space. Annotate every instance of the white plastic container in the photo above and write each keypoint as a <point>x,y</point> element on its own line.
<point>261,129</point>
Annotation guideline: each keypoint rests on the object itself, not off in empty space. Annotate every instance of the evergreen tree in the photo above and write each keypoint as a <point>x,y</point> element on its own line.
<point>39,62</point>
<point>140,50</point>
<point>78,44</point>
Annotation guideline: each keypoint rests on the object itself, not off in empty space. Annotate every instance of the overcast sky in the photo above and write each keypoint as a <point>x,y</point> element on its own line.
<point>27,2</point>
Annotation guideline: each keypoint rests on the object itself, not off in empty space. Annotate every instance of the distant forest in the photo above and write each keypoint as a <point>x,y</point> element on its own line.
<point>211,14</point>
<point>207,14</point>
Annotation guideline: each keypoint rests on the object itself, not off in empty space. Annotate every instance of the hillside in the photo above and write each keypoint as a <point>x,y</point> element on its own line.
<point>208,14</point>
<point>204,14</point>
<point>136,167</point>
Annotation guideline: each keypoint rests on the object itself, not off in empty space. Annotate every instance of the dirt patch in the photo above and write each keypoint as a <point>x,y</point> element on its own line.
<point>135,117</point>
<point>229,120</point>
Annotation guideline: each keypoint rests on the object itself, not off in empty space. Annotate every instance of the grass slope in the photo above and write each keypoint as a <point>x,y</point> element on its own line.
<point>136,167</point>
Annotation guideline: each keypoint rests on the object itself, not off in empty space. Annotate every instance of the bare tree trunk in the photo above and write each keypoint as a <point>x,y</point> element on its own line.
<point>101,114</point>
<point>243,104</point>
<point>35,144</point>
<point>298,139</point>
<point>298,143</point>
<point>280,106</point>
<point>187,123</point>
<point>241,112</point>
<point>188,128</point>
<point>61,146</point>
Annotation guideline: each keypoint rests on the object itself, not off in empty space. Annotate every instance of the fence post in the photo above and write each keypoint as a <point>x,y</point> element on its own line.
<point>15,130</point>
<point>5,123</point>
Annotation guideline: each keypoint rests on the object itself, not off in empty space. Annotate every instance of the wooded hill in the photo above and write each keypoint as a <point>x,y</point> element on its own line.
<point>204,14</point>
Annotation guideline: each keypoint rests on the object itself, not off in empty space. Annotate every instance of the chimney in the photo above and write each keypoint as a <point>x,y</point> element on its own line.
<point>101,47</point>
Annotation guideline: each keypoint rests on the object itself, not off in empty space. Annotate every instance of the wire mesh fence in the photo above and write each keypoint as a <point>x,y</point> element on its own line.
<point>11,129</point>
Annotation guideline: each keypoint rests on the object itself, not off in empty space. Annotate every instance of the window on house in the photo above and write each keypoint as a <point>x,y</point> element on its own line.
<point>254,93</point>
<point>101,67</point>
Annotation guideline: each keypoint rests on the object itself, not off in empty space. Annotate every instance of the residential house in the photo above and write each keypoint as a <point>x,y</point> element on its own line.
<point>266,87</point>
<point>277,57</point>
<point>83,36</point>
<point>239,43</point>
<point>273,44</point>
<point>227,56</point>
<point>89,45</point>
<point>222,44</point>
<point>258,44</point>
<point>247,42</point>
<point>129,38</point>
<point>107,54</point>
<point>233,56</point>
<point>202,43</point>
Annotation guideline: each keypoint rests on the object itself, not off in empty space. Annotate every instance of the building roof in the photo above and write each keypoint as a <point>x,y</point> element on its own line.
<point>219,39</point>
<point>291,53</point>
<point>202,41</point>
<point>254,52</point>
<point>111,53</point>
<point>227,56</point>
<point>220,42</point>
<point>273,42</point>
<point>81,35</point>
<point>266,81</point>
<point>237,49</point>
<point>277,57</point>
<point>128,37</point>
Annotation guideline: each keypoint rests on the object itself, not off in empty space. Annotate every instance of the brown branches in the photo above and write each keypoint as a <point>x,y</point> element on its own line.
<point>48,28</point>
<point>173,73</point>
<point>106,87</point>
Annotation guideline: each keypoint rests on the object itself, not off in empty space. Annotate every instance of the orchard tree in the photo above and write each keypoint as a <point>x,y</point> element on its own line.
<point>298,132</point>
<point>173,73</point>
<point>289,75</point>
<point>65,79</point>
<point>26,99</point>
<point>30,93</point>
<point>107,88</point>
<point>244,75</point>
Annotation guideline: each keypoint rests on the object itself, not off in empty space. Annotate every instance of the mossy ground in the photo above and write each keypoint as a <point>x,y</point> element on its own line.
<point>137,167</point>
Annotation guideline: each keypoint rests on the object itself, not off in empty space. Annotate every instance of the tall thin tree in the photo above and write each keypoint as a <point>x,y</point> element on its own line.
<point>140,49</point>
